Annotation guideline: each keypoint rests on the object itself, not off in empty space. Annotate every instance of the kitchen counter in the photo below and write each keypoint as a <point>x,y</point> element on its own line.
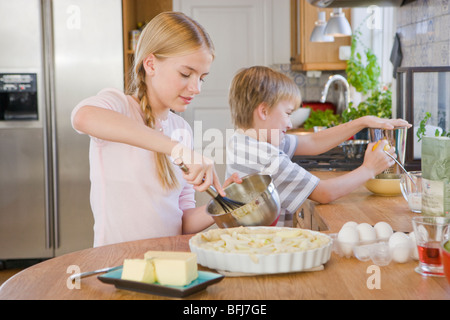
<point>341,278</point>
<point>360,206</point>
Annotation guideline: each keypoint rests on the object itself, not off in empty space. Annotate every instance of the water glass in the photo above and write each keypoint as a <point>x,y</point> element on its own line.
<point>412,192</point>
<point>430,232</point>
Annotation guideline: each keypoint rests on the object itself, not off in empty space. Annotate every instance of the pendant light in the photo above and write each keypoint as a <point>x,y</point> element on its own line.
<point>318,33</point>
<point>338,25</point>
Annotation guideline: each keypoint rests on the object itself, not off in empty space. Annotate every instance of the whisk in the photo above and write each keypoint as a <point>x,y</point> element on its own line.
<point>227,204</point>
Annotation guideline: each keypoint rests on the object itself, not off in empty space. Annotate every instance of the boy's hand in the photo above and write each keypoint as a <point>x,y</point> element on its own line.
<point>375,159</point>
<point>234,178</point>
<point>381,123</point>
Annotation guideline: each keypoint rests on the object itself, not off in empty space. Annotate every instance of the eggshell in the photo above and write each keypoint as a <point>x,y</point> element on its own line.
<point>383,230</point>
<point>348,237</point>
<point>400,247</point>
<point>366,233</point>
<point>350,224</point>
<point>398,238</point>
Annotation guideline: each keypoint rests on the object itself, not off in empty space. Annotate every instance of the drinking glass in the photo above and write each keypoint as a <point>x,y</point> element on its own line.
<point>430,232</point>
<point>412,193</point>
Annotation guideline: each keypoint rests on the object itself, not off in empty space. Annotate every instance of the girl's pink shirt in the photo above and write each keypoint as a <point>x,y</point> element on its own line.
<point>127,199</point>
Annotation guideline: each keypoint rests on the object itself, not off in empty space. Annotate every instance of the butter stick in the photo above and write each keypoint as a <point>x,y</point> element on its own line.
<point>138,270</point>
<point>173,268</point>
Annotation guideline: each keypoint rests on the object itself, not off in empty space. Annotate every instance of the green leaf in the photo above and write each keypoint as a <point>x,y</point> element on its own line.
<point>321,118</point>
<point>421,130</point>
<point>363,78</point>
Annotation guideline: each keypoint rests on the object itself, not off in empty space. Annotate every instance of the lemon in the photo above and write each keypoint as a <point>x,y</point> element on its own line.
<point>386,147</point>
<point>376,145</point>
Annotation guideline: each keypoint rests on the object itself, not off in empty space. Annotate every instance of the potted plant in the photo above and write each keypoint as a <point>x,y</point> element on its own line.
<point>379,104</point>
<point>363,76</point>
<point>322,118</point>
<point>363,73</point>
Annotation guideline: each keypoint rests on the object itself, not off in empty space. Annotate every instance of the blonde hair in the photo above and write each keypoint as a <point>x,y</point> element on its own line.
<point>169,34</point>
<point>255,85</point>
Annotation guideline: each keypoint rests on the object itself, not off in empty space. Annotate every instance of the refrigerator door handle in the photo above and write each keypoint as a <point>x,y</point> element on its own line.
<point>51,178</point>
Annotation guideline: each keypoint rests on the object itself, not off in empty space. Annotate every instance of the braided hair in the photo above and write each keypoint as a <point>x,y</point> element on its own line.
<point>169,34</point>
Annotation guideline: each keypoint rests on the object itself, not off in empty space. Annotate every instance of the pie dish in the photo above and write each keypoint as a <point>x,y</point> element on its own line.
<point>309,249</point>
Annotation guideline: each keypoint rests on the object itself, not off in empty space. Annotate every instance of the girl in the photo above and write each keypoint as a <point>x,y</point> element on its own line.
<point>136,191</point>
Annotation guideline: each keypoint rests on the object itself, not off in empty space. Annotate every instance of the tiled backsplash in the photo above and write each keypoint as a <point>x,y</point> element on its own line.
<point>424,27</point>
<point>311,87</point>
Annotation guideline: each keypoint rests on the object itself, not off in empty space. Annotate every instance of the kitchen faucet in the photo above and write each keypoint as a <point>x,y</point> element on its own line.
<point>344,81</point>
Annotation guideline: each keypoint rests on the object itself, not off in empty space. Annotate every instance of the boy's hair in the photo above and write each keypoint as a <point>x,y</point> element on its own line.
<point>255,85</point>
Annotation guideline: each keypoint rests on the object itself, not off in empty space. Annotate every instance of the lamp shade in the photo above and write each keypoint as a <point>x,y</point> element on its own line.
<point>318,33</point>
<point>338,25</point>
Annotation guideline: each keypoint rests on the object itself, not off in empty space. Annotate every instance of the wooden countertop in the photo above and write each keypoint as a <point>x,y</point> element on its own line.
<point>342,278</point>
<point>360,206</point>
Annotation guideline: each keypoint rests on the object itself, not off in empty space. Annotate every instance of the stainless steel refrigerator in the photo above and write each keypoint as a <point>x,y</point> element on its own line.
<point>52,55</point>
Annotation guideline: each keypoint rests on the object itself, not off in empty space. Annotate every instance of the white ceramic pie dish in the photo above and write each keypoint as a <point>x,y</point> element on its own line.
<point>262,263</point>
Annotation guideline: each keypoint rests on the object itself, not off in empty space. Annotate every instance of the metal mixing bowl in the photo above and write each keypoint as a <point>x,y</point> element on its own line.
<point>354,149</point>
<point>262,207</point>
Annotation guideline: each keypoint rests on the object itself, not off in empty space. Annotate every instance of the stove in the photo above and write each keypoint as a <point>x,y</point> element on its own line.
<point>333,160</point>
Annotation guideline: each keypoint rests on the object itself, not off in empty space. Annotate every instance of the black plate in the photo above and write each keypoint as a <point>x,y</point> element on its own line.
<point>204,280</point>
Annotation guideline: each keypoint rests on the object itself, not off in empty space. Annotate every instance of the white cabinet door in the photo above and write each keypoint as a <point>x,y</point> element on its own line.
<point>243,34</point>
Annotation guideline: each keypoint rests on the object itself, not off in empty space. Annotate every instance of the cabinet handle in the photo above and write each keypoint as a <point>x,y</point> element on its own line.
<point>301,213</point>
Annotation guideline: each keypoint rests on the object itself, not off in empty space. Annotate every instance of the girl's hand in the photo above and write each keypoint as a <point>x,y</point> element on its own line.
<point>375,159</point>
<point>197,169</point>
<point>375,122</point>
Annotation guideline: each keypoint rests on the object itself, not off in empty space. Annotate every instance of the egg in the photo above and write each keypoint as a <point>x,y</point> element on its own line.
<point>348,237</point>
<point>383,230</point>
<point>366,233</point>
<point>400,247</point>
<point>414,250</point>
<point>350,224</point>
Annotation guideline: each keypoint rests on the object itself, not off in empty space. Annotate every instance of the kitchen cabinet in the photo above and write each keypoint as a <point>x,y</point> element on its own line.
<point>307,55</point>
<point>306,218</point>
<point>134,12</point>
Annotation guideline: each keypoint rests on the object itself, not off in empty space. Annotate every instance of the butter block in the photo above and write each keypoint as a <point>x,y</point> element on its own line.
<point>174,268</point>
<point>138,270</point>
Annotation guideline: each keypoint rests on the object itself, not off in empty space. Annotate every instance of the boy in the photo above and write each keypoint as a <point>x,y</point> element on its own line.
<point>261,101</point>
